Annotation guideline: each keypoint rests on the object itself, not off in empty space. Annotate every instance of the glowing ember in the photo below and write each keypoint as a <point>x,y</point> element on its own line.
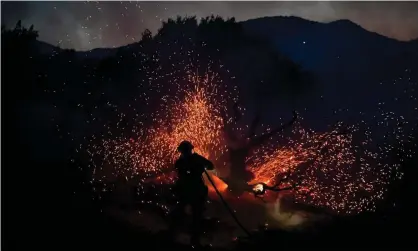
<point>334,170</point>
<point>258,188</point>
<point>195,117</point>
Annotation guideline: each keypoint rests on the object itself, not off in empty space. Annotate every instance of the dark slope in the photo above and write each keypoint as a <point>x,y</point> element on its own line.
<point>356,68</point>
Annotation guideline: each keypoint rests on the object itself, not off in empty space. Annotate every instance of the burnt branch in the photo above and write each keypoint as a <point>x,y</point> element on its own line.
<point>297,184</point>
<point>261,139</point>
<point>284,188</point>
<point>284,178</point>
<point>228,127</point>
<point>254,125</point>
<point>260,189</point>
<point>291,176</point>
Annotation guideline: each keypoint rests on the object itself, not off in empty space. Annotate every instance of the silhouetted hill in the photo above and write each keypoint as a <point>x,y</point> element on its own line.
<point>356,68</point>
<point>321,47</point>
<point>314,45</point>
<point>317,45</point>
<point>99,53</point>
<point>45,48</point>
<point>335,47</point>
<point>413,42</point>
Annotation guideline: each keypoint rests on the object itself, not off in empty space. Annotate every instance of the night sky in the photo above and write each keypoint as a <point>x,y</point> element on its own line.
<point>84,26</point>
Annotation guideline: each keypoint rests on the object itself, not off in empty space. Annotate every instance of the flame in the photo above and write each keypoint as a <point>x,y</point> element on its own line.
<point>332,171</point>
<point>220,184</point>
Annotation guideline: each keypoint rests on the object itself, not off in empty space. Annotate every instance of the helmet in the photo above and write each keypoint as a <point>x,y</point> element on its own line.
<point>185,146</point>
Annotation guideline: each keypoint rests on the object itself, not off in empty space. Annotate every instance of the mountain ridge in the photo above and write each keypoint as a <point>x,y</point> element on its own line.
<point>350,61</point>
<point>292,36</point>
<point>295,20</point>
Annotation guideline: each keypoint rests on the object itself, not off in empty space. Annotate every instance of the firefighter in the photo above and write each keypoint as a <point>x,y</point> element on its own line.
<point>190,190</point>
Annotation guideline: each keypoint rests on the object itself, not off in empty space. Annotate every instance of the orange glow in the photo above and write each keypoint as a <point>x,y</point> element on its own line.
<point>327,165</point>
<point>220,185</point>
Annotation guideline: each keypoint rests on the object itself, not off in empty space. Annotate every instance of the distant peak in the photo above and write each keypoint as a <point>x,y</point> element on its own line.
<point>284,18</point>
<point>344,22</point>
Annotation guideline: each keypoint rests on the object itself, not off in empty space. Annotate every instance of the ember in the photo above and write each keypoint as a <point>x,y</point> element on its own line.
<point>323,169</point>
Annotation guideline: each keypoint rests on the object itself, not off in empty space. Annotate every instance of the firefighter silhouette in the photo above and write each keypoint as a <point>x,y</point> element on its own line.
<point>190,190</point>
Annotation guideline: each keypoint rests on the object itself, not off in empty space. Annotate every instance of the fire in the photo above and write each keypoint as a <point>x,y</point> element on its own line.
<point>331,170</point>
<point>198,120</point>
<point>220,184</point>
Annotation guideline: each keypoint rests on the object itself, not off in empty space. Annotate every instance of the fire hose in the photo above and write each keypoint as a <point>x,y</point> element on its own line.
<point>258,190</point>
<point>231,212</point>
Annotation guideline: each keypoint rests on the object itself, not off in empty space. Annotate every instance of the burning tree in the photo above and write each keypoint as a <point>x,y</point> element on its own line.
<point>339,169</point>
<point>333,170</point>
<point>240,145</point>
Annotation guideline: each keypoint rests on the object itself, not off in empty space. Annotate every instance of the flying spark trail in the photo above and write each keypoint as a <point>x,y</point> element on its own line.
<point>194,114</point>
<point>326,170</point>
<point>346,172</point>
<point>334,169</point>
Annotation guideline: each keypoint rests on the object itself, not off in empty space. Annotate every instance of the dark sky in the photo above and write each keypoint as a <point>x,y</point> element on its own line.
<point>84,26</point>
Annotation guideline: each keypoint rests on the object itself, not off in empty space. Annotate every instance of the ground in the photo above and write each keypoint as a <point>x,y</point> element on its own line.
<point>221,231</point>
